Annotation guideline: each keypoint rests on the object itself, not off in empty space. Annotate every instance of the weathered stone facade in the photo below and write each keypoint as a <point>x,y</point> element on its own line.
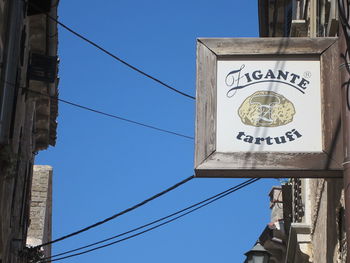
<point>327,222</point>
<point>39,230</point>
<point>313,209</point>
<point>28,48</point>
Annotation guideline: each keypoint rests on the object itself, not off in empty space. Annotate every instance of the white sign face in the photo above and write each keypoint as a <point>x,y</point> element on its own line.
<point>268,105</point>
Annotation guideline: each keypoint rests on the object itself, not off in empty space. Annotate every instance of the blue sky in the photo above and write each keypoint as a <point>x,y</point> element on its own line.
<point>102,166</point>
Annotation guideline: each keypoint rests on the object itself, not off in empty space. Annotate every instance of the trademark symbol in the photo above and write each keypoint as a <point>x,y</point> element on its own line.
<point>307,74</point>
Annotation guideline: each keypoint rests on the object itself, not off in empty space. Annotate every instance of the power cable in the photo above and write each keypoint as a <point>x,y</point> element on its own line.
<point>108,114</point>
<point>111,54</point>
<point>127,120</point>
<point>194,206</point>
<point>153,222</point>
<point>117,214</point>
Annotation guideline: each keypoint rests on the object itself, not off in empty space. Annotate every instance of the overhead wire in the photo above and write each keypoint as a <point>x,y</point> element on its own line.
<point>69,29</point>
<point>114,116</point>
<point>203,203</point>
<point>127,120</point>
<point>191,209</point>
<point>158,220</point>
<point>118,214</point>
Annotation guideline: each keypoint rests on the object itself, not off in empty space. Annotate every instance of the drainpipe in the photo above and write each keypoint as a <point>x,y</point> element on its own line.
<point>10,65</point>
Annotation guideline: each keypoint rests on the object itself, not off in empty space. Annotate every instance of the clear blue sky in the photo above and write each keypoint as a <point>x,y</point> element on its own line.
<point>102,165</point>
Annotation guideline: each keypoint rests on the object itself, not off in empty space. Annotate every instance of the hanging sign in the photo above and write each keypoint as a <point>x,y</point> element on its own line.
<point>268,108</point>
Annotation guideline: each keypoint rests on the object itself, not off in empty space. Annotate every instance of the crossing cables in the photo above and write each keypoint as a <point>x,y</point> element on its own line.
<point>169,218</point>
<point>117,214</point>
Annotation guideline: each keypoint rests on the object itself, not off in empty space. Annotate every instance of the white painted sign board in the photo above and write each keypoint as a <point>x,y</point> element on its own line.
<point>268,105</point>
<point>267,108</point>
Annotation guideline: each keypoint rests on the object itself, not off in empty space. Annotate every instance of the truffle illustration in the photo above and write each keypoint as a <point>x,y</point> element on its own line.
<point>266,109</point>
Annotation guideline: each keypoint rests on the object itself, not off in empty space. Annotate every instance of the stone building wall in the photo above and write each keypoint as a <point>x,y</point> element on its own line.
<point>27,119</point>
<point>327,223</point>
<point>317,204</point>
<point>39,230</point>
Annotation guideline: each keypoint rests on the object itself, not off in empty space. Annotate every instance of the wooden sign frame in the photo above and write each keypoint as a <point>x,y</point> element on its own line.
<point>210,163</point>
